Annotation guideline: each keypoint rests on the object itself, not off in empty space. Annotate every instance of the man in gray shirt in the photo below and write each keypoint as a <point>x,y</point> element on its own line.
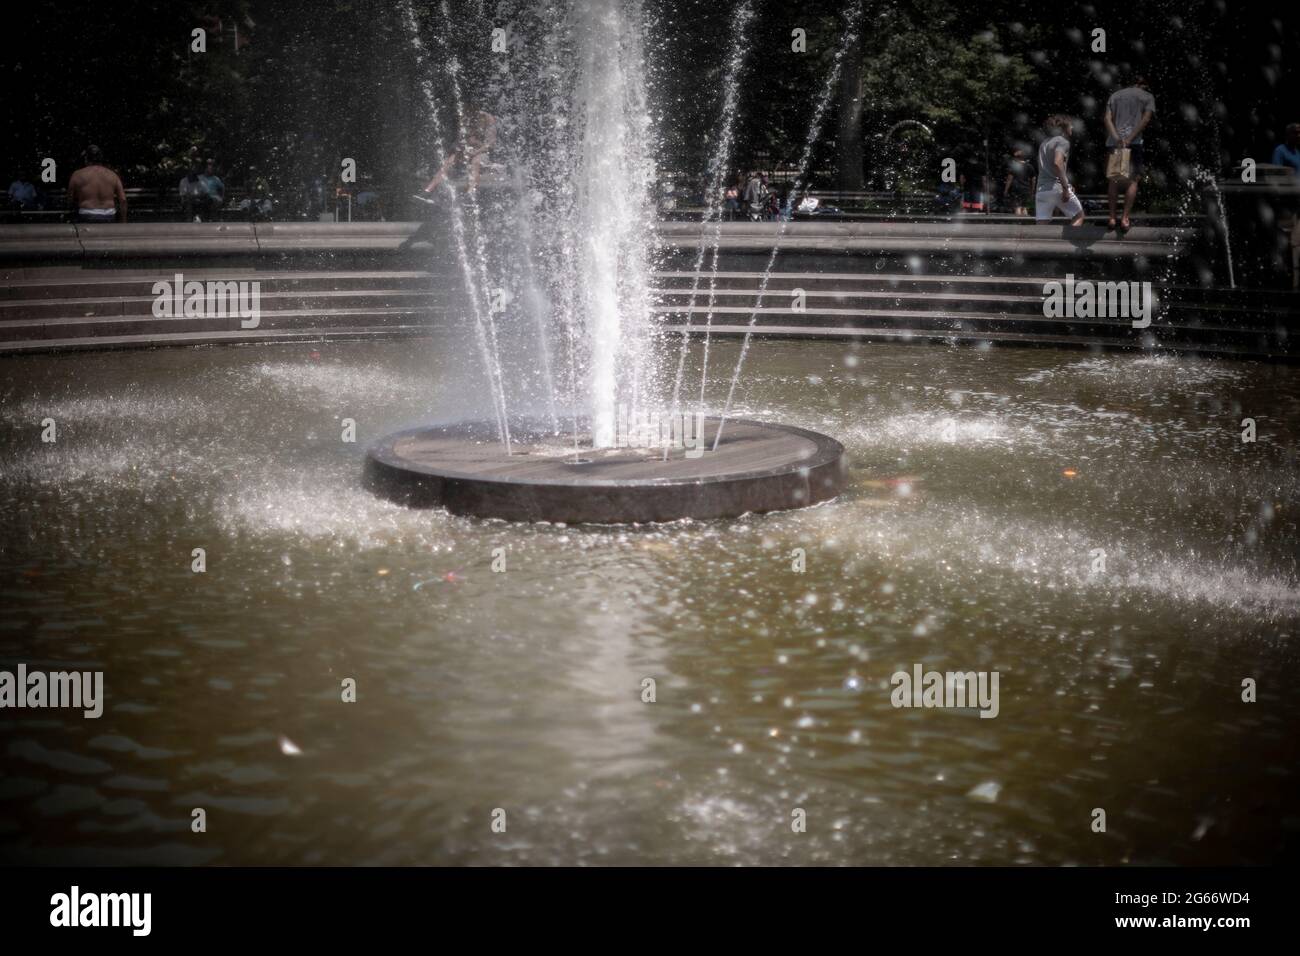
<point>1128,111</point>
<point>1054,189</point>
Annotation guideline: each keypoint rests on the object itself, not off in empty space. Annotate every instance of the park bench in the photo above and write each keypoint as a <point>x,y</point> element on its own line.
<point>144,204</point>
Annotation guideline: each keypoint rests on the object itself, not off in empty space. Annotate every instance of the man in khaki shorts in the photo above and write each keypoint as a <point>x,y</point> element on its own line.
<point>1054,189</point>
<point>95,192</point>
<point>1128,113</point>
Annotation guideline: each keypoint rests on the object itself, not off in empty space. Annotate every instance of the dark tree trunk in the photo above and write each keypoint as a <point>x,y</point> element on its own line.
<point>849,137</point>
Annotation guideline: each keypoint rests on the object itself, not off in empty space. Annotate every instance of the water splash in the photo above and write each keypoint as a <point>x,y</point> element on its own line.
<point>614,172</point>
<point>569,226</point>
<point>852,16</point>
<point>1208,178</point>
<point>718,167</point>
<point>484,328</point>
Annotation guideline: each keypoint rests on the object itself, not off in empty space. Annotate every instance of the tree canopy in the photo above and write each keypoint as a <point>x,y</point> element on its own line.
<point>288,87</point>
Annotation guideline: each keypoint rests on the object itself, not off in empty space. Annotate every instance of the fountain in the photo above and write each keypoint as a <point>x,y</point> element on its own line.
<point>1106,520</point>
<point>756,468</point>
<point>599,171</point>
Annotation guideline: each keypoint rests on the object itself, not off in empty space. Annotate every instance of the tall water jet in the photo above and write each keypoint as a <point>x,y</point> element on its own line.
<point>567,231</point>
<point>615,175</point>
<point>578,130</point>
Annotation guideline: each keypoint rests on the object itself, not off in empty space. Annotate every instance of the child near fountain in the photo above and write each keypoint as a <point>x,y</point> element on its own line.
<point>478,139</point>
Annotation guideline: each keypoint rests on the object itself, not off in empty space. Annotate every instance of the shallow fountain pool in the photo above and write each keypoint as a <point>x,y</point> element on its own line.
<point>984,487</point>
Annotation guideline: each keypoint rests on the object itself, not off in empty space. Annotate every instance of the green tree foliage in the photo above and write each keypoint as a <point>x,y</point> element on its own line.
<point>313,81</point>
<point>928,62</point>
<point>919,60</point>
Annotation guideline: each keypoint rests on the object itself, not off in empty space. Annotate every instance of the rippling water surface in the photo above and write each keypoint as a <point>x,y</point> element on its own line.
<point>983,485</point>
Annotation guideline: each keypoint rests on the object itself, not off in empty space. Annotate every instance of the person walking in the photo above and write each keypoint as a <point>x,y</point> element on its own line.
<point>1054,189</point>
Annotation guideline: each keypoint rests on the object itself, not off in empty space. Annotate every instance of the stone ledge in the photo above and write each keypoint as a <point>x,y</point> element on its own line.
<point>164,240</point>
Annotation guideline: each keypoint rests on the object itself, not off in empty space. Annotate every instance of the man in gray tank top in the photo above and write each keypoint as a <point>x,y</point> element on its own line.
<point>1128,111</point>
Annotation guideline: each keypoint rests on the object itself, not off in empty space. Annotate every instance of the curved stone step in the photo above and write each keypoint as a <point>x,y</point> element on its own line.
<point>132,283</point>
<point>966,228</point>
<point>14,310</point>
<point>676,280</point>
<point>235,337</point>
<point>1010,250</point>
<point>819,300</point>
<point>1168,325</point>
<point>1012,288</point>
<point>1147,343</point>
<point>147,326</point>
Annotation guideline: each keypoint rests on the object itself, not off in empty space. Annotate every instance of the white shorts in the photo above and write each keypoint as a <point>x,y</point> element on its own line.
<point>1047,201</point>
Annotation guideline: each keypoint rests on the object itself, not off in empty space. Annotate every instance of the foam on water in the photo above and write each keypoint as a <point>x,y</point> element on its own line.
<point>966,542</point>
<point>98,410</point>
<point>918,429</point>
<point>1145,372</point>
<point>372,382</point>
<point>314,508</point>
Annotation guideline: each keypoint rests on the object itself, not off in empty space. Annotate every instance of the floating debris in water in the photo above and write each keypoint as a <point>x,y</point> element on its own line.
<point>289,748</point>
<point>451,577</point>
<point>986,792</point>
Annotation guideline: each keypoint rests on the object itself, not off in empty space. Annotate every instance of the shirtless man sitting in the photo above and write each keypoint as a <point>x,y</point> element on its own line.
<point>95,192</point>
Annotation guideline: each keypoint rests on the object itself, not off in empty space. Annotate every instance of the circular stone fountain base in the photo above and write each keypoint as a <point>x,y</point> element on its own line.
<point>465,469</point>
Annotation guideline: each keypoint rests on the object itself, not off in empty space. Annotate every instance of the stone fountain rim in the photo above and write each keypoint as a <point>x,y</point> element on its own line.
<point>827,450</point>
